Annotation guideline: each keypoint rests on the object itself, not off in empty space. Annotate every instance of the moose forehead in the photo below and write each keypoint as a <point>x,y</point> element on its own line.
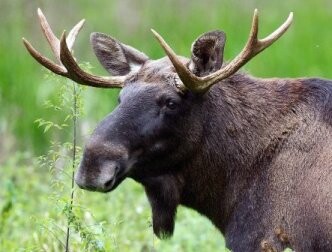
<point>160,72</point>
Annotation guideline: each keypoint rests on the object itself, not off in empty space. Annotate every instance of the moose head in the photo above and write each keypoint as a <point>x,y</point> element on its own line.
<point>167,113</point>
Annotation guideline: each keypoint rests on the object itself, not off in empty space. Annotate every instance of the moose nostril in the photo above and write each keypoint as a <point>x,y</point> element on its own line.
<point>109,183</point>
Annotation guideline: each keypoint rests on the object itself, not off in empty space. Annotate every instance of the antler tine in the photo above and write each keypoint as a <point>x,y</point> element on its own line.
<point>67,65</point>
<point>279,32</point>
<point>54,44</point>
<point>80,76</point>
<point>51,38</point>
<point>251,49</point>
<point>255,45</point>
<point>190,80</point>
<point>253,35</point>
<point>73,34</point>
<point>50,65</point>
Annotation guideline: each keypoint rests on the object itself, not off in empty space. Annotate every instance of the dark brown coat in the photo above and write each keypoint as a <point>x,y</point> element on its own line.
<point>253,155</point>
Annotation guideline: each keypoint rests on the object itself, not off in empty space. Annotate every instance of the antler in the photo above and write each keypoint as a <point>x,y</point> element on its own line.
<point>251,49</point>
<point>66,64</point>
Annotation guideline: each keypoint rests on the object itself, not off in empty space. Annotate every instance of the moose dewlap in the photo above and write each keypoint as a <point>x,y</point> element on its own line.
<point>253,155</point>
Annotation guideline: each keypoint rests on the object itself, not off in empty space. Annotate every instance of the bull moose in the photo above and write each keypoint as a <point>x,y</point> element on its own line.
<point>253,155</point>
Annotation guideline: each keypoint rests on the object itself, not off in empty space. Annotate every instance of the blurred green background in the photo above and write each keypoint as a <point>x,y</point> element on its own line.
<point>305,50</point>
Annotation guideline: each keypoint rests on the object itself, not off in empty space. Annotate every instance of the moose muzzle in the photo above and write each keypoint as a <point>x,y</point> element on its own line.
<point>103,166</point>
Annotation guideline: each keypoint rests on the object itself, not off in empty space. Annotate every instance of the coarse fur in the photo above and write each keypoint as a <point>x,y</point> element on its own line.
<point>253,155</point>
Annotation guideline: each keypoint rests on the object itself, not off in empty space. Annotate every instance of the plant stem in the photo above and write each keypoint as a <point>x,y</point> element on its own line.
<point>73,161</point>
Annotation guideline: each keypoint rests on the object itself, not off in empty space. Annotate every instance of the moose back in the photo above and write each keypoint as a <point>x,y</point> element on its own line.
<point>253,155</point>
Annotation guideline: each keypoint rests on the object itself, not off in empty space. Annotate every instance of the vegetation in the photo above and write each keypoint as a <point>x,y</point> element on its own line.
<point>35,192</point>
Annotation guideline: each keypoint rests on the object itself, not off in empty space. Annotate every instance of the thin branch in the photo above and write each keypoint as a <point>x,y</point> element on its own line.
<point>73,162</point>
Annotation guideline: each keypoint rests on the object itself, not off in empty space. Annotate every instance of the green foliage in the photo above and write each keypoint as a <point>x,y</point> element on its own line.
<point>120,221</point>
<point>61,158</point>
<point>7,206</point>
<point>303,51</point>
<point>35,194</point>
<point>96,222</point>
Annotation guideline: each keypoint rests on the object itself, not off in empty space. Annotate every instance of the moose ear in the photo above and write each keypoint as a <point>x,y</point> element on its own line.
<point>117,58</point>
<point>207,53</point>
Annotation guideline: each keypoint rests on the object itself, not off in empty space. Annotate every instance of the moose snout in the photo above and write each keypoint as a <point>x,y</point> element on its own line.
<point>103,165</point>
<point>102,179</point>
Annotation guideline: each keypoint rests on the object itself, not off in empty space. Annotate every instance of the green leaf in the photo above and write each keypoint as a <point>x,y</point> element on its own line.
<point>47,127</point>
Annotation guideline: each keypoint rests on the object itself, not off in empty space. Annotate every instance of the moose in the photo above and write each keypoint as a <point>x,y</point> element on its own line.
<point>252,155</point>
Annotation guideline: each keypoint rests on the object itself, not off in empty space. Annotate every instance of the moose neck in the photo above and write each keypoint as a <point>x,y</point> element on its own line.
<point>252,117</point>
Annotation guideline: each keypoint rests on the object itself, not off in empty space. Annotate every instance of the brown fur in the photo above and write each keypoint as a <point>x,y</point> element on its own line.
<point>253,155</point>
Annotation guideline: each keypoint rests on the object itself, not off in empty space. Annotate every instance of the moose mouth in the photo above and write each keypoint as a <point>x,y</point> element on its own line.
<point>111,184</point>
<point>109,177</point>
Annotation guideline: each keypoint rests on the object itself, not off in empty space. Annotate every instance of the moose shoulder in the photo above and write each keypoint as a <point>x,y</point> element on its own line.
<point>253,155</point>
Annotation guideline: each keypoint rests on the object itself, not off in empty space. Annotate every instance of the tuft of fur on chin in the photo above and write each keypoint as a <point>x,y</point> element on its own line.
<point>163,220</point>
<point>163,193</point>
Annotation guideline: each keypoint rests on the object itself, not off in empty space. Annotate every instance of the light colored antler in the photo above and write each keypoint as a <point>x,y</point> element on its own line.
<point>66,64</point>
<point>251,49</point>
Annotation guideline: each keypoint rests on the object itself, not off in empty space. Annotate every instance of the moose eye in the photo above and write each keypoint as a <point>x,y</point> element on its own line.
<point>171,104</point>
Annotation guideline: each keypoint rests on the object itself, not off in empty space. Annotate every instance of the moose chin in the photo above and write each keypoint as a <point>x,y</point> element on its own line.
<point>253,155</point>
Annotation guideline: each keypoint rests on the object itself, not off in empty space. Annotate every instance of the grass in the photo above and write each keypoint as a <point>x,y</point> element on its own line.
<point>120,220</point>
<point>98,222</point>
<point>31,200</point>
<point>303,51</point>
